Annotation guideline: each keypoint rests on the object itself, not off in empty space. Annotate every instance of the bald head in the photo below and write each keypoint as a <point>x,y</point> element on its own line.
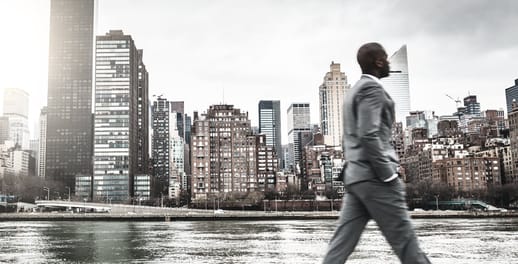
<point>373,60</point>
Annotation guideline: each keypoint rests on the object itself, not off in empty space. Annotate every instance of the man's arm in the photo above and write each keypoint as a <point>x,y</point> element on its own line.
<point>370,106</point>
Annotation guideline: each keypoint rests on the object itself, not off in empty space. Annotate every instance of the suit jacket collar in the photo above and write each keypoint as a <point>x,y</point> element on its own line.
<point>376,79</point>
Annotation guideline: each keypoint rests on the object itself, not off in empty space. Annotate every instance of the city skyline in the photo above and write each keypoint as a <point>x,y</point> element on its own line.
<point>278,67</point>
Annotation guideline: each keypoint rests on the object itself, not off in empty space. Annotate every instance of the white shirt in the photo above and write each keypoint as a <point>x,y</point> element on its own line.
<point>376,79</point>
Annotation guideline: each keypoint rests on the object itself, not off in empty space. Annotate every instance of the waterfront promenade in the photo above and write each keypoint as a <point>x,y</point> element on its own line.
<point>118,212</point>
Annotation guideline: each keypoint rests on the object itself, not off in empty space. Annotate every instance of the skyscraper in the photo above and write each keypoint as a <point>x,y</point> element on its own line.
<point>177,177</point>
<point>331,95</point>
<point>511,94</point>
<point>270,124</point>
<point>397,84</point>
<point>187,150</point>
<point>298,121</point>
<point>16,109</point>
<point>43,143</point>
<point>160,145</point>
<point>116,132</point>
<point>471,106</point>
<point>143,117</point>
<point>178,108</point>
<point>169,149</point>
<point>513,133</point>
<point>69,104</point>
<point>4,129</point>
<point>267,164</point>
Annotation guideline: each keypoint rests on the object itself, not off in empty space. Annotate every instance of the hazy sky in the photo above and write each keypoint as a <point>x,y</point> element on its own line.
<point>239,52</point>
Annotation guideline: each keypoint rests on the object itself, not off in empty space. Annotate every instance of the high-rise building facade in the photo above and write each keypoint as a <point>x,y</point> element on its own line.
<point>471,106</point>
<point>69,104</point>
<point>4,129</point>
<point>116,131</point>
<point>178,108</point>
<point>187,151</point>
<point>223,153</point>
<point>270,124</point>
<point>397,84</point>
<point>298,121</point>
<point>331,98</point>
<point>143,117</point>
<point>267,164</point>
<point>511,94</point>
<point>160,146</point>
<point>20,162</point>
<point>513,135</point>
<point>42,143</point>
<point>177,177</point>
<point>496,118</point>
<point>16,109</point>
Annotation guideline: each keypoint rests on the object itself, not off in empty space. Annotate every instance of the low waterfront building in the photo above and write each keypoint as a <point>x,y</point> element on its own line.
<point>321,166</point>
<point>142,186</point>
<point>14,160</point>
<point>467,174</point>
<point>503,154</point>
<point>83,186</point>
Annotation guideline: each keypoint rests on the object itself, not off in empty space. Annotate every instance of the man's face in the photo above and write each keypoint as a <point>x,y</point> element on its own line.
<point>384,66</point>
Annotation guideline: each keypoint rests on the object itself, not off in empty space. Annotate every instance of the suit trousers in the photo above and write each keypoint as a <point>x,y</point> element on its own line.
<point>385,203</point>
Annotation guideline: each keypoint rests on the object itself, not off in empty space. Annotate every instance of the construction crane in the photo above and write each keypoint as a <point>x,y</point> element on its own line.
<point>457,101</point>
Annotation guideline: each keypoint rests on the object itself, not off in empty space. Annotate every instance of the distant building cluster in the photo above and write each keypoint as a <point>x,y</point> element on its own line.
<point>135,147</point>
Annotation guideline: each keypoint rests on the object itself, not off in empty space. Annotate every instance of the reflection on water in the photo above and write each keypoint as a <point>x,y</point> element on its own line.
<point>444,240</point>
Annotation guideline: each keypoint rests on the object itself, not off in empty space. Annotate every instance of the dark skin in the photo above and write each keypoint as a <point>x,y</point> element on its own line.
<point>373,60</point>
<point>382,68</point>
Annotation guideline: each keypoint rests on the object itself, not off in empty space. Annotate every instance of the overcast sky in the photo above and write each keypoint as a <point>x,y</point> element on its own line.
<point>239,52</point>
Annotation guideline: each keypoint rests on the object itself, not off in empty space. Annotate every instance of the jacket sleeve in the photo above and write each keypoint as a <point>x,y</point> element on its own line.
<point>370,106</point>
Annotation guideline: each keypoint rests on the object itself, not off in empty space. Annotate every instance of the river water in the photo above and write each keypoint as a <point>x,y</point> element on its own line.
<point>444,240</point>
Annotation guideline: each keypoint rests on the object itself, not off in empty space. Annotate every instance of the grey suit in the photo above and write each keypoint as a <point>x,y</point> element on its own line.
<point>368,116</point>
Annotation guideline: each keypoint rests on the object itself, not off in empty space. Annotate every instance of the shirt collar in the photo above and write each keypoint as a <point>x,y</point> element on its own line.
<point>376,79</point>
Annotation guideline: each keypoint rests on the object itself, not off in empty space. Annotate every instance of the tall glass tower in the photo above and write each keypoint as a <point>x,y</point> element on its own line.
<point>69,102</point>
<point>117,116</point>
<point>472,107</point>
<point>397,84</point>
<point>298,122</point>
<point>270,124</point>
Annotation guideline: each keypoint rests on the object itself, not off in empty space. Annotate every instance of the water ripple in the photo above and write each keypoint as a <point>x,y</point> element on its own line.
<point>445,241</point>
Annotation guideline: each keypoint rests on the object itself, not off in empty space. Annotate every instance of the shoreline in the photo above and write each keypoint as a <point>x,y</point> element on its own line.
<point>210,215</point>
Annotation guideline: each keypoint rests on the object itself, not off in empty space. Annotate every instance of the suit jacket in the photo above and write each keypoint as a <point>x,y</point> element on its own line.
<point>368,114</point>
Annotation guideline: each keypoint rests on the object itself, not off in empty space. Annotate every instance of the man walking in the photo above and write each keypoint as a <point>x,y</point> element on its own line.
<point>373,187</point>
